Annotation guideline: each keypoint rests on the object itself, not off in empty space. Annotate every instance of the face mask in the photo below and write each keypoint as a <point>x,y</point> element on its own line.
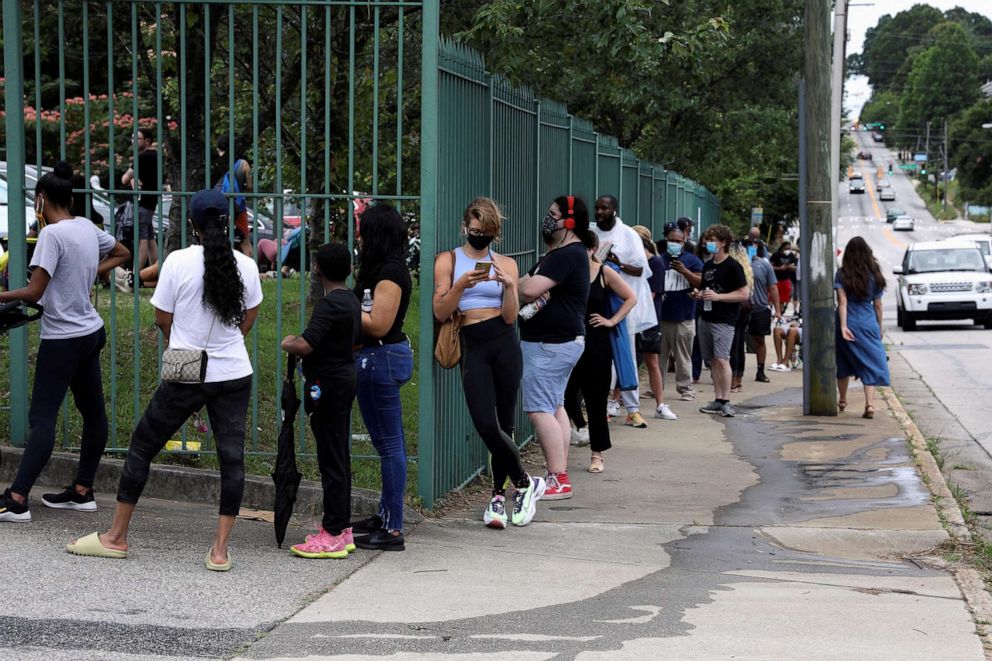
<point>752,252</point>
<point>674,249</point>
<point>549,225</point>
<point>479,242</point>
<point>711,247</point>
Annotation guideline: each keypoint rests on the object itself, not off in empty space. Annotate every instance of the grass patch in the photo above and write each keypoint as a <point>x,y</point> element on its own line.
<point>934,205</point>
<point>933,446</point>
<point>131,369</point>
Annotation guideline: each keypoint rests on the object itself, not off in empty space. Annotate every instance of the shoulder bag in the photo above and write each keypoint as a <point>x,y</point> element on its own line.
<point>448,345</point>
<point>186,365</point>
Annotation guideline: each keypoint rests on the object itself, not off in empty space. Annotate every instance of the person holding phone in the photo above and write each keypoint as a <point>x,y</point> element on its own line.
<point>481,286</point>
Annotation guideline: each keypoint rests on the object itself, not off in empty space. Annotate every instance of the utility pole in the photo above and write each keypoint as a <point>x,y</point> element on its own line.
<point>816,239</point>
<point>837,94</point>
<point>946,157</point>
<point>927,149</point>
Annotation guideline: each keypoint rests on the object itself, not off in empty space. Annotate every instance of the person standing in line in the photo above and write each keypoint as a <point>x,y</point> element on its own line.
<point>784,263</point>
<point>70,254</point>
<point>385,363</point>
<point>627,253</point>
<point>331,382</point>
<point>764,304</point>
<point>207,299</point>
<point>697,357</point>
<point>649,341</point>
<point>553,337</point>
<point>738,354</point>
<point>683,273</point>
<point>491,363</point>
<point>142,176</point>
<point>724,289</point>
<point>859,284</point>
<point>590,380</point>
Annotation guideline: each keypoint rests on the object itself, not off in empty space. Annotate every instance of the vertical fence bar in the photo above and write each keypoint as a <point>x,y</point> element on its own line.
<point>136,310</point>
<point>112,183</point>
<point>351,128</point>
<point>160,207</point>
<point>279,207</point>
<point>375,102</point>
<point>206,97</point>
<point>399,109</point>
<point>254,202</point>
<point>304,243</point>
<point>328,55</point>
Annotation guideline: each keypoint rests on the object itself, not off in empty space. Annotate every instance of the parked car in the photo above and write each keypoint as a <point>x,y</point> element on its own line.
<point>856,186</point>
<point>881,184</point>
<point>877,136</point>
<point>864,156</point>
<point>888,194</point>
<point>892,213</point>
<point>4,200</point>
<point>903,224</point>
<point>943,280</point>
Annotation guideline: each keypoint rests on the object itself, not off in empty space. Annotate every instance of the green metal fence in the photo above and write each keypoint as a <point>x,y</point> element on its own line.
<point>523,151</point>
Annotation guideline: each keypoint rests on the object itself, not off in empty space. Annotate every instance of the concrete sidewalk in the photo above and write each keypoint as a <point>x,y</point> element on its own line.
<point>768,536</point>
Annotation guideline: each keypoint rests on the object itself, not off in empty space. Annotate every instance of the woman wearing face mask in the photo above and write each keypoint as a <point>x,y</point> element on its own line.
<point>553,339</point>
<point>481,286</point>
<point>785,261</point>
<point>71,252</point>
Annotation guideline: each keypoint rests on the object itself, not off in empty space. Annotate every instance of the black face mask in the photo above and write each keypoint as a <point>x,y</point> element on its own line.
<point>479,242</point>
<point>549,226</point>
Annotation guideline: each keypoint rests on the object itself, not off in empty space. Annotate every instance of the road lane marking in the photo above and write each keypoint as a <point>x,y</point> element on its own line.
<point>871,193</point>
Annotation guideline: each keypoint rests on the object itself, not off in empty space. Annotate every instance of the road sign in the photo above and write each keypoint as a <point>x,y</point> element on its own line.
<point>757,214</point>
<point>908,166</point>
<point>920,158</point>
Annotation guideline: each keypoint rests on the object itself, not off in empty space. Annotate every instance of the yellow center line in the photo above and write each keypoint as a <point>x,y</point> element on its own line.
<point>886,232</point>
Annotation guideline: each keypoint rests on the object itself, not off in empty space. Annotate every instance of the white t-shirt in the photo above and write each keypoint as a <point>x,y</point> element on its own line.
<point>70,251</point>
<point>629,249</point>
<point>180,291</point>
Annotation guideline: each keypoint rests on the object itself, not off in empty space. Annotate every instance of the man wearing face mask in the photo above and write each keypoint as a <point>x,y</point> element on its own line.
<point>785,262</point>
<point>627,253</point>
<point>764,303</point>
<point>724,288</point>
<point>678,311</point>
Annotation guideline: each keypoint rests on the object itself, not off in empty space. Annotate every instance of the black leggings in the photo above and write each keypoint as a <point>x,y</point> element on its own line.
<point>492,367</point>
<point>171,405</point>
<point>62,365</point>
<point>738,348</point>
<point>331,425</point>
<point>590,381</point>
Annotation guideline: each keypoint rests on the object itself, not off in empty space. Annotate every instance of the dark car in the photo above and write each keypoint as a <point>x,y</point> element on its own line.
<point>892,213</point>
<point>864,156</point>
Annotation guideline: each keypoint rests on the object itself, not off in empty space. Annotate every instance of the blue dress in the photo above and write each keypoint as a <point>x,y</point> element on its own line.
<point>865,357</point>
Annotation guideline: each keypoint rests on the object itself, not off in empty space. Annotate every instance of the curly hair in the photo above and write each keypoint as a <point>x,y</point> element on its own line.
<point>739,254</point>
<point>223,290</point>
<point>859,269</point>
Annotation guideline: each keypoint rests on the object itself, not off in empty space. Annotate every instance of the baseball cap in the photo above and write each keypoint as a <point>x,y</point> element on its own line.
<point>669,227</point>
<point>206,203</point>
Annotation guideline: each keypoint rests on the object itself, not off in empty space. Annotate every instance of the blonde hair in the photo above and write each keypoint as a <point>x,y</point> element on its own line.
<point>645,235</point>
<point>738,253</point>
<point>488,213</point>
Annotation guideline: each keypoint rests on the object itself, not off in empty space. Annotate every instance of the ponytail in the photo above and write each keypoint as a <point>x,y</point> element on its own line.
<point>223,290</point>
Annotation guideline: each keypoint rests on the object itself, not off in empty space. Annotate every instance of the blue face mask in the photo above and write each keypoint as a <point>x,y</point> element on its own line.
<point>711,247</point>
<point>674,249</point>
<point>752,252</point>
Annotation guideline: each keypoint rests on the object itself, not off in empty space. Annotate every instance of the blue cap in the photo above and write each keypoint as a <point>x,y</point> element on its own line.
<point>669,227</point>
<point>208,203</point>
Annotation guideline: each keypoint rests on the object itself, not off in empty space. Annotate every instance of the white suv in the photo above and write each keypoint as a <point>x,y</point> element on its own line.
<point>943,280</point>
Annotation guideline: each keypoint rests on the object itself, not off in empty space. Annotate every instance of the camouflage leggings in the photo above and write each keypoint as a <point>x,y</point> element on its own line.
<point>171,405</point>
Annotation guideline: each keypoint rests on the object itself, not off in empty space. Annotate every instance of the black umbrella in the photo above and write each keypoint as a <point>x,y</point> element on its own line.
<point>286,476</point>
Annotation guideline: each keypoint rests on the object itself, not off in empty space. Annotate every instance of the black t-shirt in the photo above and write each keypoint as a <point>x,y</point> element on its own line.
<point>147,172</point>
<point>335,329</point>
<point>394,271</point>
<point>563,318</point>
<point>723,278</point>
<point>781,259</point>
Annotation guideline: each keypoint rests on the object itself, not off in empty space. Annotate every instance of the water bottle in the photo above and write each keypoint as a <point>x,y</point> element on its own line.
<point>532,308</point>
<point>707,304</point>
<point>367,301</point>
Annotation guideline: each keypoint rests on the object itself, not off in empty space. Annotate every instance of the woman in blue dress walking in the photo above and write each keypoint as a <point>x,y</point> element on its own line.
<point>860,353</point>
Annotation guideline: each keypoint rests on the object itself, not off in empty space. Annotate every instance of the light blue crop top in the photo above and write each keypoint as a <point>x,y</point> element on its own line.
<point>485,294</point>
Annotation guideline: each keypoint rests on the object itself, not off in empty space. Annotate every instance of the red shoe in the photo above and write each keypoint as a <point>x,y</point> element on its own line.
<point>559,487</point>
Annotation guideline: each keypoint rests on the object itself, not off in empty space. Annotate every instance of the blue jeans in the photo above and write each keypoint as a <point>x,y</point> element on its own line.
<point>381,372</point>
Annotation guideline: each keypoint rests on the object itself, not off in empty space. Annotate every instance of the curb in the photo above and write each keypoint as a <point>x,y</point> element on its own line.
<point>197,485</point>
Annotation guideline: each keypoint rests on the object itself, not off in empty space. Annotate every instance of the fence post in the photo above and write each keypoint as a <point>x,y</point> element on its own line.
<point>428,220</point>
<point>14,104</point>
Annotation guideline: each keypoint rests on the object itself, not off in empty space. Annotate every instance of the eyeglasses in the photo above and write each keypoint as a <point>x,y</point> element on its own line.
<point>475,232</point>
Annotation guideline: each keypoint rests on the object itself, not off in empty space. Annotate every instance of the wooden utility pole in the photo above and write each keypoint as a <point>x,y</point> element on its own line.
<point>816,239</point>
<point>944,176</point>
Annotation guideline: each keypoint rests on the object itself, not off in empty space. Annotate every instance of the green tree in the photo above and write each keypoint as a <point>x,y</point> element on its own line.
<point>971,153</point>
<point>890,42</point>
<point>883,107</point>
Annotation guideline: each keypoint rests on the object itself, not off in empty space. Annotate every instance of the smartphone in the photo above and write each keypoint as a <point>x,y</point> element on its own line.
<point>483,266</point>
<point>604,249</point>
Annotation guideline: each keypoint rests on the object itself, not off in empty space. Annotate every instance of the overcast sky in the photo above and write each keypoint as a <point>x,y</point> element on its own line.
<point>864,14</point>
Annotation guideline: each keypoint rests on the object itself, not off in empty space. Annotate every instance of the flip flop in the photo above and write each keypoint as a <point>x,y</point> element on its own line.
<point>596,465</point>
<point>91,546</point>
<point>213,566</point>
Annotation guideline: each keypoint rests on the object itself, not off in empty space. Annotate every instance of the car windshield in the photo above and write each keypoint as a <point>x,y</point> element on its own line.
<point>952,259</point>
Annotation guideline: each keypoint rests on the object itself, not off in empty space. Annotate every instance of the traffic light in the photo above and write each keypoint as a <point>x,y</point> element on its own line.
<point>923,171</point>
<point>881,127</point>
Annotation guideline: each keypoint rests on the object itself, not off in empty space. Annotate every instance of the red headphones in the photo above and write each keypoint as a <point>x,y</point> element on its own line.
<point>569,218</point>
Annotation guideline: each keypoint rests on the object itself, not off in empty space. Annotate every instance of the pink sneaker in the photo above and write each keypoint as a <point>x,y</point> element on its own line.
<point>559,487</point>
<point>349,540</point>
<point>321,545</point>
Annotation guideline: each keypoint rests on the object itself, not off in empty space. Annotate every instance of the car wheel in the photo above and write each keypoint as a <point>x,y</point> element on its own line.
<point>988,323</point>
<point>908,321</point>
<point>899,316</point>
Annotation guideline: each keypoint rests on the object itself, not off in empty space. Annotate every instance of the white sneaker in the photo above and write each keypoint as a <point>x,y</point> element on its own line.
<point>122,280</point>
<point>665,413</point>
<point>580,437</point>
<point>613,408</point>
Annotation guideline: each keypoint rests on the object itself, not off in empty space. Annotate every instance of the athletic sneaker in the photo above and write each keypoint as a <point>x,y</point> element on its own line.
<point>368,525</point>
<point>559,487</point>
<point>712,407</point>
<point>123,280</point>
<point>13,511</point>
<point>636,420</point>
<point>727,410</point>
<point>665,413</point>
<point>495,515</point>
<point>580,437</point>
<point>322,545</point>
<point>688,395</point>
<point>525,501</point>
<point>613,408</point>
<point>69,499</point>
<point>349,540</point>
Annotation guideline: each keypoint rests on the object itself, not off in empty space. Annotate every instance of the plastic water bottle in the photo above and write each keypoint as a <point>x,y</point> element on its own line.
<point>532,308</point>
<point>707,304</point>
<point>367,301</point>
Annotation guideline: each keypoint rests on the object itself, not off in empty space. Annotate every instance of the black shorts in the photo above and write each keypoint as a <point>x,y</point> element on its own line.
<point>146,224</point>
<point>648,341</point>
<point>761,322</point>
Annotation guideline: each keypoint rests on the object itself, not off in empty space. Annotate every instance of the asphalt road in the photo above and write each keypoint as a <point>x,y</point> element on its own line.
<point>942,369</point>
